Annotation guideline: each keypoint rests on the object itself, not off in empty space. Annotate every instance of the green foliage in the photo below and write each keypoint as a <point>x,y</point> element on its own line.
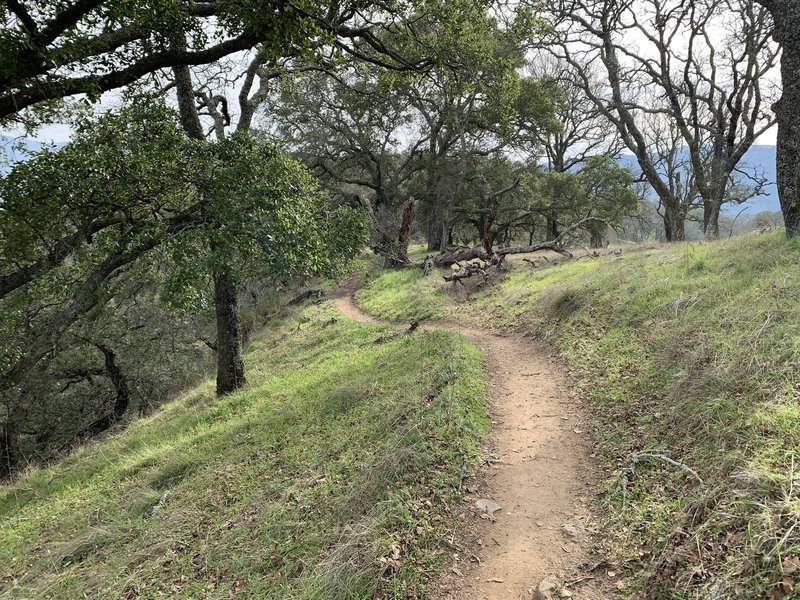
<point>49,52</point>
<point>90,235</point>
<point>332,474</point>
<point>601,189</point>
<point>264,218</point>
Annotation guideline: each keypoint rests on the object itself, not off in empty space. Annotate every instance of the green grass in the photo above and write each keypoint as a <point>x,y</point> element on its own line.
<point>690,348</point>
<point>329,475</point>
<point>403,295</point>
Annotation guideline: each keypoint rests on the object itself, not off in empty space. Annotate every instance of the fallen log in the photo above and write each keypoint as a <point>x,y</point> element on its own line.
<point>493,258</point>
<point>315,292</point>
<point>465,271</point>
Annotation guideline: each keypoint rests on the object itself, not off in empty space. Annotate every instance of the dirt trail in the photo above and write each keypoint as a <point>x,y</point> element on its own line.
<point>539,470</point>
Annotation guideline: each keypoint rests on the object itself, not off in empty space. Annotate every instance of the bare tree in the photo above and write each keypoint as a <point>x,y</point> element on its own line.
<point>663,57</point>
<point>673,165</point>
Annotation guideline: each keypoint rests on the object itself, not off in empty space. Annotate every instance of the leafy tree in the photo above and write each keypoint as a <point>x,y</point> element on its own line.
<point>52,50</point>
<point>600,194</point>
<point>609,195</point>
<point>265,218</point>
<point>80,226</point>
<point>352,130</point>
<point>383,135</point>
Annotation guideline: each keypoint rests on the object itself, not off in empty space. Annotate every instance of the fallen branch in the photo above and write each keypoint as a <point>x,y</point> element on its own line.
<point>630,469</point>
<point>316,292</point>
<point>495,257</point>
<point>466,271</point>
<point>463,474</point>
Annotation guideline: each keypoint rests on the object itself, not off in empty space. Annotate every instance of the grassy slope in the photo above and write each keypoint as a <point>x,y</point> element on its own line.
<point>328,476</point>
<point>693,349</point>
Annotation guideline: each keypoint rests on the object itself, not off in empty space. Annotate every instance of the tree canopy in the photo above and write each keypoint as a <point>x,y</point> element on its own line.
<point>75,221</point>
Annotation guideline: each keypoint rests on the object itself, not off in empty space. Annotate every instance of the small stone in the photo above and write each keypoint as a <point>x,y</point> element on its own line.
<point>546,587</point>
<point>572,531</point>
<point>487,506</point>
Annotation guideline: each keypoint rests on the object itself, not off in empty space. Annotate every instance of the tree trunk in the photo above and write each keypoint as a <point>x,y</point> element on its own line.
<point>190,119</point>
<point>11,454</point>
<point>787,110</point>
<point>786,18</point>
<point>712,203</point>
<point>121,388</point>
<point>596,237</point>
<point>230,364</point>
<point>673,224</point>
<point>711,220</point>
<point>9,448</point>
<point>552,228</point>
<point>434,224</point>
<point>118,380</point>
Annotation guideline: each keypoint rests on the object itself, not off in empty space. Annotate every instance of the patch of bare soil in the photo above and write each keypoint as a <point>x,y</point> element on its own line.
<point>539,470</point>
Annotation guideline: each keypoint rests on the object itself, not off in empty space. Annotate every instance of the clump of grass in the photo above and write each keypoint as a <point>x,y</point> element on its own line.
<point>694,349</point>
<point>402,295</point>
<point>328,476</point>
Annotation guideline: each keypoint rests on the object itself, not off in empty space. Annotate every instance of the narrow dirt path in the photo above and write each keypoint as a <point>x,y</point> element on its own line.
<point>539,470</point>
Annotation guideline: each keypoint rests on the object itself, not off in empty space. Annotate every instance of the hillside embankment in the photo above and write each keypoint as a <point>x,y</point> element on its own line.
<point>688,358</point>
<point>341,469</point>
<point>331,474</point>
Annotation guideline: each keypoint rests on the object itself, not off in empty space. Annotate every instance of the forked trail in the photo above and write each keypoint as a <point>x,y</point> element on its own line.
<point>539,470</point>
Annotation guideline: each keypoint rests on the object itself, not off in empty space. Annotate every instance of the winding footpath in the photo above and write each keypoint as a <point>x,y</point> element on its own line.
<point>539,469</point>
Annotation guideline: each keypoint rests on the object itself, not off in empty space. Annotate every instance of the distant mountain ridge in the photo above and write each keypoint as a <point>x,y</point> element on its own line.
<point>759,159</point>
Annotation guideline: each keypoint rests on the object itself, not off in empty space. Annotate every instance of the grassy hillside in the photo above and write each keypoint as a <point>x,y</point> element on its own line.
<point>328,476</point>
<point>691,351</point>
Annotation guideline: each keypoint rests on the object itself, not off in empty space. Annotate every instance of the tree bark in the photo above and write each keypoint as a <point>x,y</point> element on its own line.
<point>190,119</point>
<point>786,18</point>
<point>9,448</point>
<point>230,364</point>
<point>596,234</point>
<point>122,390</point>
<point>552,228</point>
<point>436,241</point>
<point>674,224</point>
